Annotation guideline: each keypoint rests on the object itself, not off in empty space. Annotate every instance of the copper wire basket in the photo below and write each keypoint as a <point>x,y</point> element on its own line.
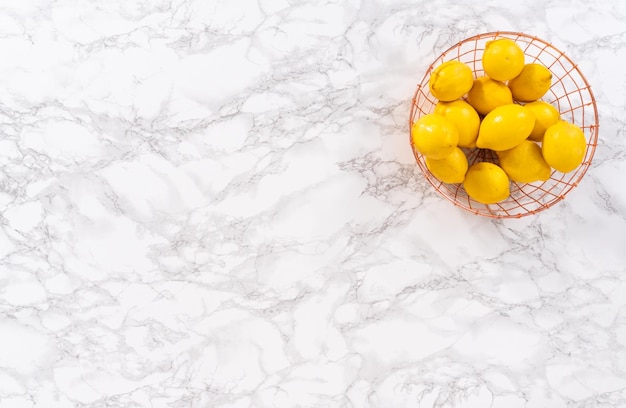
<point>570,93</point>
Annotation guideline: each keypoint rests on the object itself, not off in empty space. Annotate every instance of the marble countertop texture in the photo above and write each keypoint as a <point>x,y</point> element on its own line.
<point>214,204</point>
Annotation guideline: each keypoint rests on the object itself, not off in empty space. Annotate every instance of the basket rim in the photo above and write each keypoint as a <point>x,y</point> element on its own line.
<point>496,210</point>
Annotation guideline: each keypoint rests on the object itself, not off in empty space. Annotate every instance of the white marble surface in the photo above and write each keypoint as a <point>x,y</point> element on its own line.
<point>213,204</point>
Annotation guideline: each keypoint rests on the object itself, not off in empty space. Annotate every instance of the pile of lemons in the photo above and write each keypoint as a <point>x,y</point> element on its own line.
<point>501,111</point>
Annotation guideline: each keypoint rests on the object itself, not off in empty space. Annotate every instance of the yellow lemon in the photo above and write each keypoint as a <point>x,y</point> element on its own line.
<point>450,169</point>
<point>546,115</point>
<point>531,84</point>
<point>503,59</point>
<point>524,163</point>
<point>486,183</point>
<point>505,127</point>
<point>450,80</point>
<point>434,136</point>
<point>487,94</point>
<point>464,117</point>
<point>564,146</point>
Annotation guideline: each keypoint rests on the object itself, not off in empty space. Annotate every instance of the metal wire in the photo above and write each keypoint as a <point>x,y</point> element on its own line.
<point>570,93</point>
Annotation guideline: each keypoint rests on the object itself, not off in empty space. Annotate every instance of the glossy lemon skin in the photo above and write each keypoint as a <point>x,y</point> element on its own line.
<point>524,163</point>
<point>531,84</point>
<point>564,146</point>
<point>487,94</point>
<point>486,183</point>
<point>434,136</point>
<point>546,115</point>
<point>465,119</point>
<point>503,59</point>
<point>505,127</point>
<point>450,169</point>
<point>450,81</point>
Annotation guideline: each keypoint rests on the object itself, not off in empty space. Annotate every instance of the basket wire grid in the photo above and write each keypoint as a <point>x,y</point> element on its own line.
<point>570,93</point>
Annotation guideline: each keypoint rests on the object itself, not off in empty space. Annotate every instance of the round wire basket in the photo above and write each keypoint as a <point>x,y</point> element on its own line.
<point>570,93</point>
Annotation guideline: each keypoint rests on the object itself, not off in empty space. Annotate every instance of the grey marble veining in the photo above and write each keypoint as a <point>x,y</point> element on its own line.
<point>214,204</point>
